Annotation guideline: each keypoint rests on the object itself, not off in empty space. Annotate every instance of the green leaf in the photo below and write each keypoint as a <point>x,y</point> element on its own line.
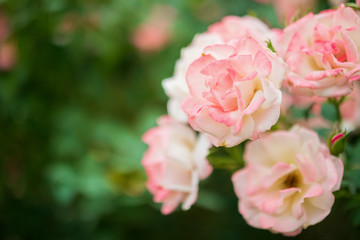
<point>353,6</point>
<point>323,132</point>
<point>227,158</point>
<point>301,112</point>
<point>352,180</point>
<point>352,154</point>
<point>270,46</point>
<point>211,200</point>
<point>328,111</point>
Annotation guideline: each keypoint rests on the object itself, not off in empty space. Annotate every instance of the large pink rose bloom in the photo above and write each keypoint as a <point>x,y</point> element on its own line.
<point>231,27</point>
<point>234,91</point>
<point>323,53</point>
<point>175,163</point>
<point>287,182</point>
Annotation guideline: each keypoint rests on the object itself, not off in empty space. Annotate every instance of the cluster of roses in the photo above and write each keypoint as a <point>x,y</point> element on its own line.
<point>228,85</point>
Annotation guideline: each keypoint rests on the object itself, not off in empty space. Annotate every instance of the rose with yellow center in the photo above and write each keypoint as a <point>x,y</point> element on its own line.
<point>288,181</point>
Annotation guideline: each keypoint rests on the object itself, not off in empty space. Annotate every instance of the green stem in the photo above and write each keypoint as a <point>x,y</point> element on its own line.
<point>336,103</point>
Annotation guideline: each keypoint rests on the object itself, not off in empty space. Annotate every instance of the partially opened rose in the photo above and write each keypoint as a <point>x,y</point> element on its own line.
<point>175,163</point>
<point>323,53</point>
<point>234,91</point>
<point>231,27</point>
<point>287,182</point>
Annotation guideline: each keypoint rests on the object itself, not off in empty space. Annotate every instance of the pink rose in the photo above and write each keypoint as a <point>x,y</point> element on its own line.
<point>287,182</point>
<point>322,52</point>
<point>8,55</point>
<point>175,87</point>
<point>234,91</point>
<point>151,36</point>
<point>231,27</point>
<point>154,33</point>
<point>175,163</point>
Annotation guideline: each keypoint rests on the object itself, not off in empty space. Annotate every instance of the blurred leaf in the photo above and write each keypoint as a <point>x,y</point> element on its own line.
<point>323,132</point>
<point>301,113</point>
<point>211,200</point>
<point>353,154</point>
<point>270,46</point>
<point>227,158</point>
<point>352,180</point>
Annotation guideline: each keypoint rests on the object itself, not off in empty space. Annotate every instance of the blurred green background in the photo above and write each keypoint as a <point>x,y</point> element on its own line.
<point>76,95</point>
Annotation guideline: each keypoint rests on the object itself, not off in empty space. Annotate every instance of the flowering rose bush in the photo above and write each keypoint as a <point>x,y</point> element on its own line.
<point>239,86</point>
<point>174,163</point>
<point>288,181</point>
<point>322,52</point>
<point>231,27</point>
<point>234,91</point>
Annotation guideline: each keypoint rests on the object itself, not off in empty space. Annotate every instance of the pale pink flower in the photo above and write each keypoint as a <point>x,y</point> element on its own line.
<point>175,87</point>
<point>231,27</point>
<point>287,182</point>
<point>8,54</point>
<point>8,50</point>
<point>234,91</point>
<point>175,163</point>
<point>322,52</point>
<point>154,33</point>
<point>151,36</point>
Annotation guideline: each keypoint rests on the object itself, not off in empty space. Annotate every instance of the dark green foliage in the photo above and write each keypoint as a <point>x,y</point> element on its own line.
<point>227,158</point>
<point>329,111</point>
